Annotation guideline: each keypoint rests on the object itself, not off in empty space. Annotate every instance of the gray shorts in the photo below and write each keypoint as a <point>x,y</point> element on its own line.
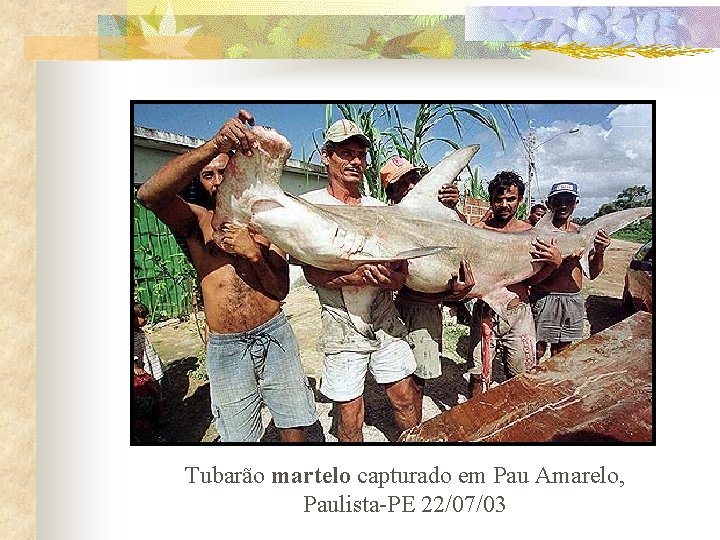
<point>424,324</point>
<point>249,369</point>
<point>558,316</point>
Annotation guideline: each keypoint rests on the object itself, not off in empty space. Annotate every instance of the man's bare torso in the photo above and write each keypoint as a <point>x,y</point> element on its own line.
<point>568,277</point>
<point>234,299</point>
<point>514,225</point>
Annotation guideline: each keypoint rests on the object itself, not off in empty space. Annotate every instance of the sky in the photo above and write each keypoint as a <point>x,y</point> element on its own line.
<point>611,150</point>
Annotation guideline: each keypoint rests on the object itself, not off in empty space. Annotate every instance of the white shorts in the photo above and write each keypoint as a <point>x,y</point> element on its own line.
<point>343,376</point>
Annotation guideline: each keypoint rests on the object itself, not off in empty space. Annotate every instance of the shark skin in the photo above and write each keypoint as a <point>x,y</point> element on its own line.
<point>418,229</point>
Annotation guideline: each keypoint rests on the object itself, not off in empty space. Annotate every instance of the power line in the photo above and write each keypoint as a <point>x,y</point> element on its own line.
<point>510,132</point>
<point>507,108</point>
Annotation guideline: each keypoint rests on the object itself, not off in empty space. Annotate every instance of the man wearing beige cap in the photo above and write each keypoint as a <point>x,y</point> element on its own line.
<point>422,313</point>
<point>352,347</point>
<point>398,176</point>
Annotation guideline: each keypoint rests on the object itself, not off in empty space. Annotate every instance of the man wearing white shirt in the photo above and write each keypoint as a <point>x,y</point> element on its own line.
<point>351,348</point>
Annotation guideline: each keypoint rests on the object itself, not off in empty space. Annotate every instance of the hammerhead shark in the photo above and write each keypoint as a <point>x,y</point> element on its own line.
<point>419,229</point>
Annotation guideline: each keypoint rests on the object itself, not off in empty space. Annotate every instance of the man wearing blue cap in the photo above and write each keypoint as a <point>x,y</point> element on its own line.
<point>557,303</point>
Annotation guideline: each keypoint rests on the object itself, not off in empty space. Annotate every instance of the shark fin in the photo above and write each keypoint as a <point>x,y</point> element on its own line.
<point>498,300</point>
<point>401,256</point>
<point>546,223</point>
<point>423,197</point>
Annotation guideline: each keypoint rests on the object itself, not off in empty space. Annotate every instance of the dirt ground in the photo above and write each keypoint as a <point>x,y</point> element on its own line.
<point>188,417</point>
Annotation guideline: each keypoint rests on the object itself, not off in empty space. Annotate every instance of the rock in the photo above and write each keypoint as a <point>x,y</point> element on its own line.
<point>598,390</point>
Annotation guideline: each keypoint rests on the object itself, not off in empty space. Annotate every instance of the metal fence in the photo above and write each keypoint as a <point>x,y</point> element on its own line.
<point>164,279</point>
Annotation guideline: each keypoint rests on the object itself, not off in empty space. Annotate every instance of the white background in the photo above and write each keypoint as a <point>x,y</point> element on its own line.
<point>92,484</point>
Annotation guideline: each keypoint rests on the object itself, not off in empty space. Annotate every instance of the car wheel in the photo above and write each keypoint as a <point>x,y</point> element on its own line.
<point>627,302</point>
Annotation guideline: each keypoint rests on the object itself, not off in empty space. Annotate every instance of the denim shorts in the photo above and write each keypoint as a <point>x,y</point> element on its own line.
<point>249,369</point>
<point>343,376</point>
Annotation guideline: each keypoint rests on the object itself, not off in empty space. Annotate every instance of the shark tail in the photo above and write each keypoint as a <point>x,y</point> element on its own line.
<point>609,223</point>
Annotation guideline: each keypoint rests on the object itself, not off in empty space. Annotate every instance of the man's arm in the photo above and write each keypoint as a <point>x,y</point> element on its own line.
<point>391,277</point>
<point>268,261</point>
<point>159,193</point>
<point>596,259</point>
<point>449,195</point>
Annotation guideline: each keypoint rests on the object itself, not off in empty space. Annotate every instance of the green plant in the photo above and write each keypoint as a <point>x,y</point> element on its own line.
<point>170,271</point>
<point>390,134</point>
<point>476,188</point>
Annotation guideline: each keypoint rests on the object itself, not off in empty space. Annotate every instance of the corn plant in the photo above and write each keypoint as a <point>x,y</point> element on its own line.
<point>390,135</point>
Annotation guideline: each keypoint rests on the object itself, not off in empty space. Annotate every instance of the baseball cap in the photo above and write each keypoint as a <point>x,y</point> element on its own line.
<point>563,187</point>
<point>394,168</point>
<point>344,129</point>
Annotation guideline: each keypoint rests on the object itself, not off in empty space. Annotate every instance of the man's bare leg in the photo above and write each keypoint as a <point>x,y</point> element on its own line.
<point>292,434</point>
<point>351,415</point>
<point>402,398</point>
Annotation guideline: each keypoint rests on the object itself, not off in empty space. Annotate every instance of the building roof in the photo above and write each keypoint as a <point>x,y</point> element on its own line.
<point>179,144</point>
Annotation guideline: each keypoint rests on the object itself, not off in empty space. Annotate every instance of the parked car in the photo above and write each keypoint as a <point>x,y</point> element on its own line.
<point>638,293</point>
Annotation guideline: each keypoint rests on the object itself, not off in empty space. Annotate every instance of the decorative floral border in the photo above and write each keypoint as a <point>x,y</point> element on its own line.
<point>597,31</point>
<point>483,32</point>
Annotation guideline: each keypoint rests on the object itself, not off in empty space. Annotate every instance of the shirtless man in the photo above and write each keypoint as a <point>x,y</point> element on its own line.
<point>508,344</point>
<point>421,312</point>
<point>351,348</point>
<point>536,213</point>
<point>252,355</point>
<point>557,304</point>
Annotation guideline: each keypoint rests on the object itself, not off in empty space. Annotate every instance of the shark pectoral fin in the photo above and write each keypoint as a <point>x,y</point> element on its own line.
<point>401,256</point>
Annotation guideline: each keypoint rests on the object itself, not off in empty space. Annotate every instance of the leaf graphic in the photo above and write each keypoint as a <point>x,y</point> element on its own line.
<point>398,47</point>
<point>373,44</point>
<point>435,42</point>
<point>167,24</point>
<point>315,37</point>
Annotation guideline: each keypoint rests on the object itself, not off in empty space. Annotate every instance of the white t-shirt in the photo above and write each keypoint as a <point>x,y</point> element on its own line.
<point>322,196</point>
<point>339,333</point>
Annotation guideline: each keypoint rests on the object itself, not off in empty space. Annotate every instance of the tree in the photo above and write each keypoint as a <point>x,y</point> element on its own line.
<point>629,198</point>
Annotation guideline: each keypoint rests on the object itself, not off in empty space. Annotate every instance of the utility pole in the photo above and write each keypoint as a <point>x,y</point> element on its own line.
<point>532,140</point>
<point>532,146</point>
